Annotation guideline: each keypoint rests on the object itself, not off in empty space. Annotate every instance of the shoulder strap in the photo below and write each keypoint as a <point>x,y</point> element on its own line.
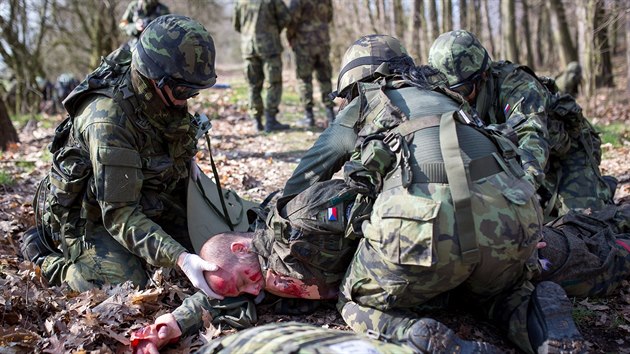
<point>459,184</point>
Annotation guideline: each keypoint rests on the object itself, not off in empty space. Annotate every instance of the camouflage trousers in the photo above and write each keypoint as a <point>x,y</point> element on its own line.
<point>411,254</point>
<point>309,60</point>
<point>257,69</point>
<point>574,180</point>
<point>97,258</point>
<point>588,255</point>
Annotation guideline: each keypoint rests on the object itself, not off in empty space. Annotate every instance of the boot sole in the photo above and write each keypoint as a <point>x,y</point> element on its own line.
<point>552,305</point>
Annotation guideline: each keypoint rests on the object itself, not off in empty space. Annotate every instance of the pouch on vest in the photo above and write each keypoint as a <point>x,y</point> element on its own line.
<point>308,232</point>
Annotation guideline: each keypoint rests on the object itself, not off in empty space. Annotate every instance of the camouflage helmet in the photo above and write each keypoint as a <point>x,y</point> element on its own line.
<point>365,56</point>
<point>460,56</point>
<point>176,50</point>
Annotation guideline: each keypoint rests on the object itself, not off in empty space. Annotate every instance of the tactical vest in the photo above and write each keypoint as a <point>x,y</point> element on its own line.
<point>383,148</point>
<point>62,209</point>
<point>303,236</point>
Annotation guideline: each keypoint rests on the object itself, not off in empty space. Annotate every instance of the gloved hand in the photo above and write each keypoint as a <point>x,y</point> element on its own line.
<point>193,266</point>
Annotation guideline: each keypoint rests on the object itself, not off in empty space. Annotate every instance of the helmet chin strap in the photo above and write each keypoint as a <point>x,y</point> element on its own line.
<point>166,97</point>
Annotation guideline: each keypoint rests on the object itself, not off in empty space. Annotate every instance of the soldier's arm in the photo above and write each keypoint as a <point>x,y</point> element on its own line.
<point>118,179</point>
<point>329,153</point>
<point>524,103</point>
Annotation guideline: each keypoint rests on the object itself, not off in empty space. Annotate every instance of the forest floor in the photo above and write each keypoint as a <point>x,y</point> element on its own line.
<point>39,318</point>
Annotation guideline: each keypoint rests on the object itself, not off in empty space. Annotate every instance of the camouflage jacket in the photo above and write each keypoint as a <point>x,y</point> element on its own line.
<point>260,22</point>
<point>139,168</point>
<point>309,23</point>
<point>134,13</point>
<point>516,99</point>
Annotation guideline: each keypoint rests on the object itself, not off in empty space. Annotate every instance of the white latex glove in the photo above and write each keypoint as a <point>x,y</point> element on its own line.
<point>193,266</point>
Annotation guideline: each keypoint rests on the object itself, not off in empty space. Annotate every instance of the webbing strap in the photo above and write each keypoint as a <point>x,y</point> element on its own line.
<point>460,190</point>
<point>414,124</point>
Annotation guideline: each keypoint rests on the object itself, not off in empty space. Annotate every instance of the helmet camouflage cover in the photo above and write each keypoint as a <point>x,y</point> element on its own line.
<point>363,58</point>
<point>176,48</point>
<point>460,56</point>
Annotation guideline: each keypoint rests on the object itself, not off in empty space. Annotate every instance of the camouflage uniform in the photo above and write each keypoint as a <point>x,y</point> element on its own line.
<point>260,22</point>
<point>299,338</point>
<point>588,255</point>
<point>310,40</point>
<point>570,79</point>
<point>560,156</point>
<point>122,170</point>
<point>147,12</point>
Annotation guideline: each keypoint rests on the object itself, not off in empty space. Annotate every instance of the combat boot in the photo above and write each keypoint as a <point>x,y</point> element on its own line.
<point>33,247</point>
<point>431,336</point>
<point>308,120</point>
<point>271,124</point>
<point>550,326</point>
<point>330,114</point>
<point>259,125</point>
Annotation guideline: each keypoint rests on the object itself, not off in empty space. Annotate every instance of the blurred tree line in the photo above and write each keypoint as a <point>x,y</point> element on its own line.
<point>48,37</point>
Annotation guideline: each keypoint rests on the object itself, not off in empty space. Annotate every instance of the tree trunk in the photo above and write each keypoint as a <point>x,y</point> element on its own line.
<point>447,15</point>
<point>586,33</point>
<point>415,29</point>
<point>628,50</point>
<point>488,42</point>
<point>398,19</point>
<point>560,30</point>
<point>463,14</point>
<point>8,134</point>
<point>508,31</point>
<point>432,23</point>
<point>473,17</point>
<point>529,59</point>
<point>605,75</point>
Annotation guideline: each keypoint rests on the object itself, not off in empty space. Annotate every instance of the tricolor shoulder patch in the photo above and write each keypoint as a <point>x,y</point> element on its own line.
<point>332,214</point>
<point>506,110</point>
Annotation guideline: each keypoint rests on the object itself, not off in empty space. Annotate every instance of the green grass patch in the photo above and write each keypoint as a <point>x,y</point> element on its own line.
<point>614,133</point>
<point>28,166</point>
<point>583,316</point>
<point>6,179</point>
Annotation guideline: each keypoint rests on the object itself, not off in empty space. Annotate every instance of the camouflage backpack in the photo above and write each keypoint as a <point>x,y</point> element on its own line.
<point>307,232</point>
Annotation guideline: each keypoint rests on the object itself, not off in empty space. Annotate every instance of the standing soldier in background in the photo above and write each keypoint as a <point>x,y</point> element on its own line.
<point>569,80</point>
<point>310,40</point>
<point>260,22</point>
<point>137,17</point>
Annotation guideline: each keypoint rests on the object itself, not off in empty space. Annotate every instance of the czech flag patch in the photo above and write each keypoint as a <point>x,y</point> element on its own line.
<point>506,110</point>
<point>332,214</point>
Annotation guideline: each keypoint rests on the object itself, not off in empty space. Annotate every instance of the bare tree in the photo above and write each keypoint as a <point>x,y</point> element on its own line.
<point>560,30</point>
<point>602,20</point>
<point>529,59</point>
<point>432,21</point>
<point>23,26</point>
<point>398,19</point>
<point>488,38</point>
<point>508,31</point>
<point>8,135</point>
<point>415,30</point>
<point>628,50</point>
<point>586,34</point>
<point>447,15</point>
